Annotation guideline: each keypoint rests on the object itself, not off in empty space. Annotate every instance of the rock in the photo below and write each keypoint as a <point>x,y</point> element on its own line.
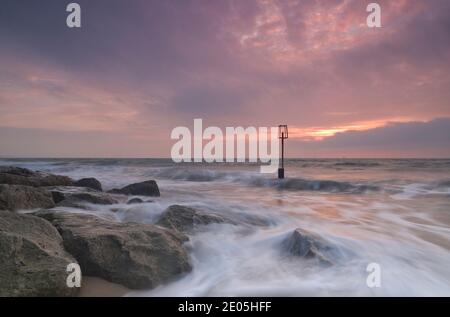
<point>77,197</point>
<point>308,245</point>
<point>186,219</point>
<point>135,201</point>
<point>135,255</point>
<point>15,197</point>
<point>147,188</point>
<point>57,196</point>
<point>74,200</point>
<point>22,176</point>
<point>33,261</point>
<point>19,171</point>
<point>89,183</point>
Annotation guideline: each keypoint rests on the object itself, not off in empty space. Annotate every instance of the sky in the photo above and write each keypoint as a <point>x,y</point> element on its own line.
<point>136,69</point>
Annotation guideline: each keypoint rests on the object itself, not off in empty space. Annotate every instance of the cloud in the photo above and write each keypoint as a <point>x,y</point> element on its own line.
<point>24,142</point>
<point>144,67</point>
<point>409,139</point>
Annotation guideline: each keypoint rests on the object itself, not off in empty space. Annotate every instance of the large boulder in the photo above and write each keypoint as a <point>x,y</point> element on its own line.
<point>21,176</point>
<point>16,197</point>
<point>78,197</point>
<point>33,261</point>
<point>186,219</point>
<point>147,188</point>
<point>305,244</point>
<point>135,255</point>
<point>90,182</point>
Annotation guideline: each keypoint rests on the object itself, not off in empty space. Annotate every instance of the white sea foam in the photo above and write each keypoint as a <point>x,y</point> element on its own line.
<point>392,212</point>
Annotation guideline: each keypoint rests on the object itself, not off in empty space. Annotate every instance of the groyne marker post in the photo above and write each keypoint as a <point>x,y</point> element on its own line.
<point>282,134</point>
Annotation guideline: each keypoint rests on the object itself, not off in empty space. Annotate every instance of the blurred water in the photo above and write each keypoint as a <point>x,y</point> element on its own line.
<point>392,212</point>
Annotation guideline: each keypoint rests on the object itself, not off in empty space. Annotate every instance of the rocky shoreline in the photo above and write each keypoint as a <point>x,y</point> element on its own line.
<point>37,246</point>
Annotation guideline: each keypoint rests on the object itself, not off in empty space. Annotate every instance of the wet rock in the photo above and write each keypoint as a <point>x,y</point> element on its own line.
<point>16,197</point>
<point>77,197</point>
<point>33,261</point>
<point>135,255</point>
<point>90,198</point>
<point>305,244</point>
<point>57,196</point>
<point>187,219</point>
<point>21,176</point>
<point>135,201</point>
<point>147,188</point>
<point>18,171</point>
<point>92,183</point>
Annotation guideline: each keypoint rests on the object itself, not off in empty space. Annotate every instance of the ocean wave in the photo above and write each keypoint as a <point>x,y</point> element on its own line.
<point>357,164</point>
<point>444,184</point>
<point>258,180</point>
<point>192,175</point>
<point>301,184</point>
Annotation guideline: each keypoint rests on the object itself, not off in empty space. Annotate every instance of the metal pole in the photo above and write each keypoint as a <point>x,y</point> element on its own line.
<point>281,170</point>
<point>282,150</point>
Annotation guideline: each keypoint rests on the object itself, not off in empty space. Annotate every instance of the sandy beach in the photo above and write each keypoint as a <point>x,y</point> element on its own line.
<point>97,287</point>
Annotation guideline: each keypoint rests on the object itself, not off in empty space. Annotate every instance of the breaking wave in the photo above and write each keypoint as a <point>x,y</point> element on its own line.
<point>357,164</point>
<point>259,180</point>
<point>444,184</point>
<point>315,185</point>
<point>194,175</point>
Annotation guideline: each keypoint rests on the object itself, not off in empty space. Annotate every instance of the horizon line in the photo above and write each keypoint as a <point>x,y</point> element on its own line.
<point>168,158</point>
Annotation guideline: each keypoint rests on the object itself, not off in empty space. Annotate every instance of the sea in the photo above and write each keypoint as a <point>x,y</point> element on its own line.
<point>391,214</point>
